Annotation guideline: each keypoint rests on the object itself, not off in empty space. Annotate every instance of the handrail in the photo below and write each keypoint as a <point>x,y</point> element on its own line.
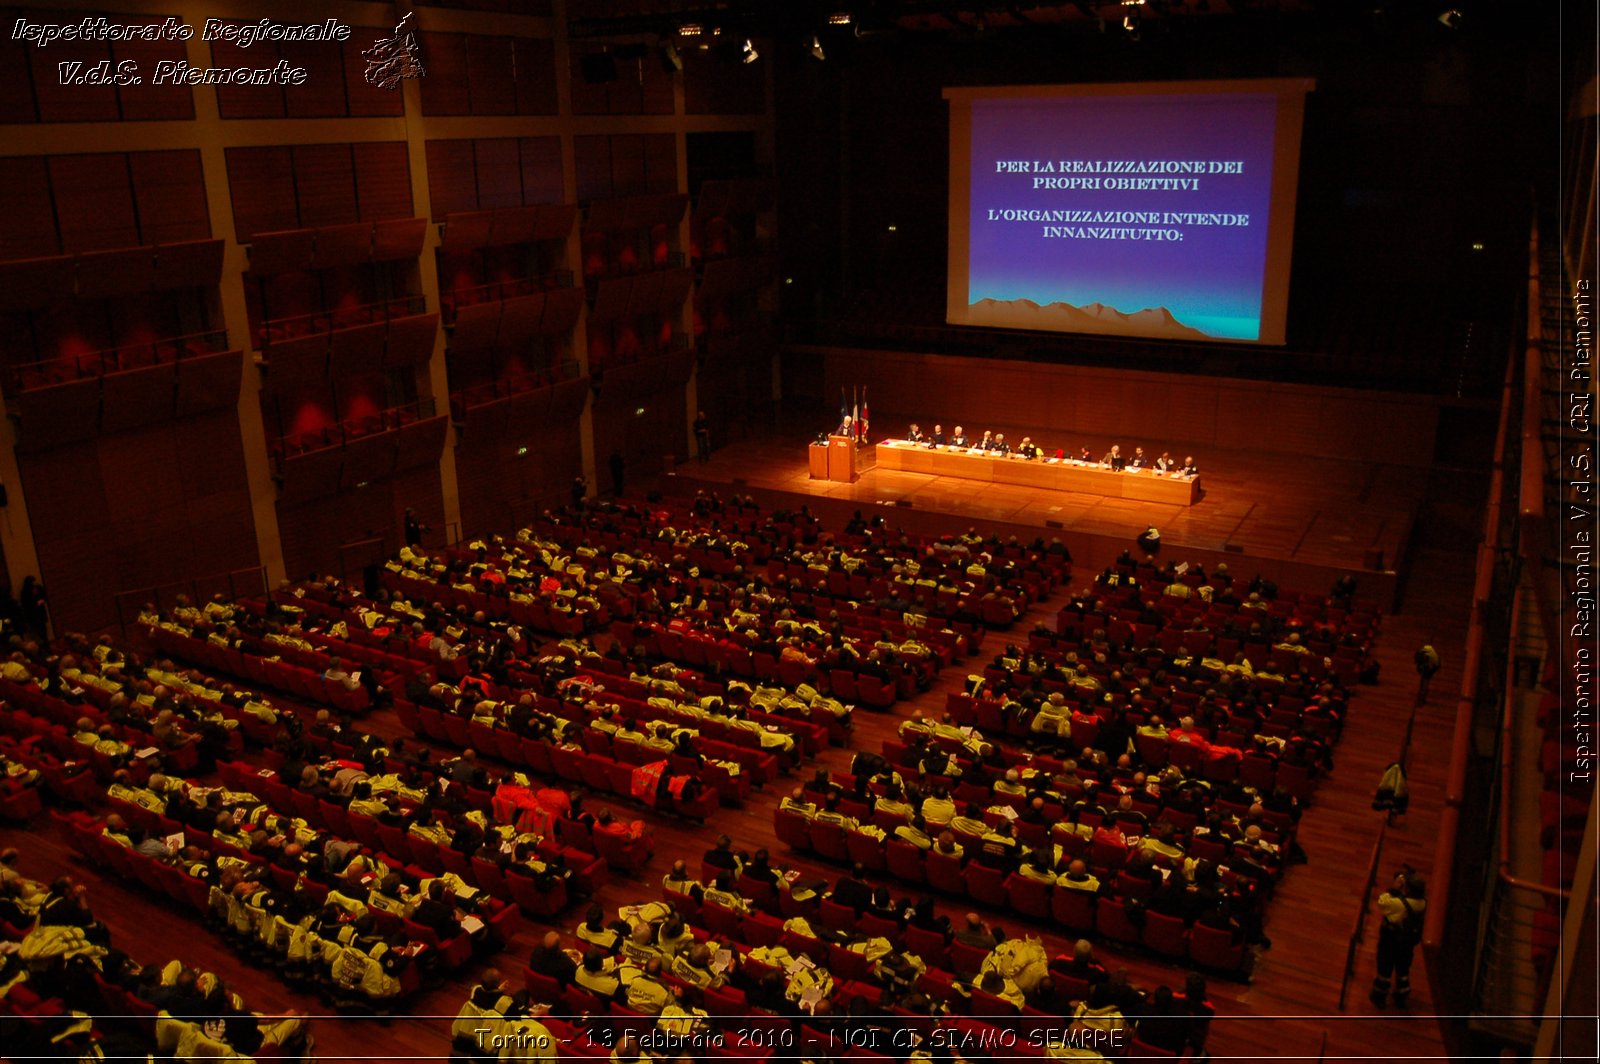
<point>411,305</point>
<point>1507,763</point>
<point>1359,933</point>
<point>342,432</point>
<point>217,338</point>
<point>1433,933</point>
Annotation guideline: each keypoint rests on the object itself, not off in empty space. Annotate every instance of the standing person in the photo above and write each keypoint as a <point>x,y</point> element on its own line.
<point>35,607</point>
<point>1401,907</point>
<point>1427,660</point>
<point>414,528</point>
<point>617,466</point>
<point>702,436</point>
<point>580,491</point>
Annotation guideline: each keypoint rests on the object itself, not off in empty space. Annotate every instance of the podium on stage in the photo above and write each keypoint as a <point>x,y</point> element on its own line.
<point>819,460</point>
<point>842,459</point>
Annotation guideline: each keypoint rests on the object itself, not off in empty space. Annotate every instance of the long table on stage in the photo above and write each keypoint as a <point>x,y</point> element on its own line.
<point>1143,485</point>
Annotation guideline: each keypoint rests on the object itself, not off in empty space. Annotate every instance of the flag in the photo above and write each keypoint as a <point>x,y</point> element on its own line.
<point>861,425</point>
<point>855,409</point>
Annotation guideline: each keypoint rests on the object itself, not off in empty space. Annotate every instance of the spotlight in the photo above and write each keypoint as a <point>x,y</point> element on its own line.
<point>750,53</point>
<point>1450,19</point>
<point>816,48</point>
<point>840,19</point>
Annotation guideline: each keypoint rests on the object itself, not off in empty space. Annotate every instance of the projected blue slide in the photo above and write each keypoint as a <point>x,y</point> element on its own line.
<point>1147,214</point>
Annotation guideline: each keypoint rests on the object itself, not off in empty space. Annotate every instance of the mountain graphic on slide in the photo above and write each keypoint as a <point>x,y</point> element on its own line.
<point>1091,317</point>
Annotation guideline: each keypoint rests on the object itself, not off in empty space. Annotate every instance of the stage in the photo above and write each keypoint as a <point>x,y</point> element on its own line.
<point>1300,521</point>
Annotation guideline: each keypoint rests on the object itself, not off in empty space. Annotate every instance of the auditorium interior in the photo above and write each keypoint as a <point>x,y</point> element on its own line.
<point>422,527</point>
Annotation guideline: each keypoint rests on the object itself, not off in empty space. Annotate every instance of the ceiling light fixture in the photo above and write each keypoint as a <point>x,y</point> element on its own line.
<point>750,53</point>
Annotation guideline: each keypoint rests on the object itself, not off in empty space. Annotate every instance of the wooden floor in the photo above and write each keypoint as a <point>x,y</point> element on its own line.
<point>1289,1011</point>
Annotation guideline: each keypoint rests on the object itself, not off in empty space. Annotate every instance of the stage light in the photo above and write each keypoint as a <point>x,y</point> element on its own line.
<point>1450,19</point>
<point>522,452</point>
<point>750,53</point>
<point>692,29</point>
<point>894,229</point>
<point>639,412</point>
<point>840,19</point>
<point>816,49</point>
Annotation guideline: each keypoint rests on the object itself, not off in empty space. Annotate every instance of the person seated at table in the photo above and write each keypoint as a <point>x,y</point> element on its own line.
<point>999,445</point>
<point>1114,459</point>
<point>959,438</point>
<point>1027,448</point>
<point>1085,457</point>
<point>1166,463</point>
<point>1188,469</point>
<point>914,434</point>
<point>936,439</point>
<point>987,443</point>
<point>1138,461</point>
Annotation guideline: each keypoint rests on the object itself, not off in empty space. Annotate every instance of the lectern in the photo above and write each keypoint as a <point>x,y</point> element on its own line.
<point>819,461</point>
<point>841,459</point>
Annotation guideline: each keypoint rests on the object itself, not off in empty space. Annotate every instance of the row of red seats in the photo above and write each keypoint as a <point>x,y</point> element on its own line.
<point>1074,910</point>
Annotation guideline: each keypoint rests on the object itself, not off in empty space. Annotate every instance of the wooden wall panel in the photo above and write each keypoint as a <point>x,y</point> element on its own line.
<point>591,160</point>
<point>1203,413</point>
<point>660,162</point>
<point>541,170</point>
<point>16,82</point>
<point>148,100</point>
<point>445,90</point>
<point>383,181</point>
<point>247,101</point>
<point>94,202</point>
<point>30,228</point>
<point>536,76</point>
<point>452,177</point>
<point>169,188</point>
<point>71,103</point>
<point>498,488</point>
<point>325,184</point>
<point>165,503</point>
<point>322,95</point>
<point>499,169</point>
<point>627,166</point>
<point>491,75</point>
<point>366,99</point>
<point>261,184</point>
<point>314,530</point>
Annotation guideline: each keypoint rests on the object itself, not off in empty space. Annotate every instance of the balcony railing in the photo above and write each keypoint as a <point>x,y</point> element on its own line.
<point>297,326</point>
<point>66,368</point>
<point>343,432</point>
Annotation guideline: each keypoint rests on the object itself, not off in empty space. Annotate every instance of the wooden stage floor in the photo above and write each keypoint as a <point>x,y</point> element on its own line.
<point>1304,515</point>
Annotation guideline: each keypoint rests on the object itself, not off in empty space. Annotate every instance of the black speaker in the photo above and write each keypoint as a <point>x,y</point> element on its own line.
<point>1054,524</point>
<point>1233,548</point>
<point>903,502</point>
